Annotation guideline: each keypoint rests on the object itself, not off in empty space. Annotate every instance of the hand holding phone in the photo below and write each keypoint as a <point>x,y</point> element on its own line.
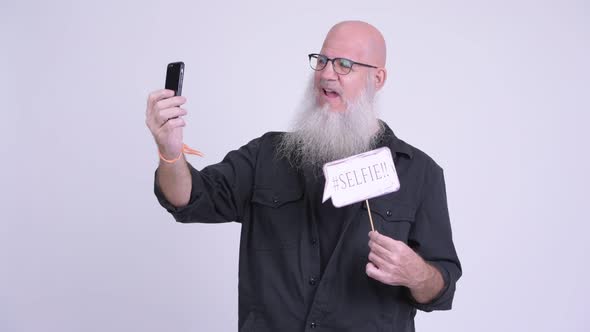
<point>164,116</point>
<point>164,112</point>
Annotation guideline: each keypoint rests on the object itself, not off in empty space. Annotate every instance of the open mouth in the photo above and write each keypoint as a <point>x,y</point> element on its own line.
<point>330,93</point>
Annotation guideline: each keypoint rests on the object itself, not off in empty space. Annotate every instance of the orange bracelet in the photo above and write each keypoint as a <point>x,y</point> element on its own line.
<point>185,149</point>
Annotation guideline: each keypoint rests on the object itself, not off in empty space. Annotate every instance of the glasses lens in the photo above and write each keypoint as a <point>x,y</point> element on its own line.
<point>342,66</point>
<point>317,62</point>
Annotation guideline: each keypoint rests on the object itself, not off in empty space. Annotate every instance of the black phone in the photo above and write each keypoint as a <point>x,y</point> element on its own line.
<point>174,75</point>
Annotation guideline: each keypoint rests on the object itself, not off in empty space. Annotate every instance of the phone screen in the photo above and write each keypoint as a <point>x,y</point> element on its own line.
<point>174,75</point>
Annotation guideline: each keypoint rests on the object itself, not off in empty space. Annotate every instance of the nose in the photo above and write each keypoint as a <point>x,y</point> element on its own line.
<point>328,72</point>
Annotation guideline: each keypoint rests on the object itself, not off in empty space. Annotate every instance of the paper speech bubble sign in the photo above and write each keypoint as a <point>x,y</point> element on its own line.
<point>360,177</point>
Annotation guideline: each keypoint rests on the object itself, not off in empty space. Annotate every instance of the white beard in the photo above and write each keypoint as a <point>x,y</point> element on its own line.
<point>319,135</point>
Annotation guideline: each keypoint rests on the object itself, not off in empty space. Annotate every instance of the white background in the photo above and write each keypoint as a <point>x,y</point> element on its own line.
<point>497,92</point>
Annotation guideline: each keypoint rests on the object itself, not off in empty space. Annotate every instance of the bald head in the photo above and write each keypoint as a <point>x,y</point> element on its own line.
<point>361,36</point>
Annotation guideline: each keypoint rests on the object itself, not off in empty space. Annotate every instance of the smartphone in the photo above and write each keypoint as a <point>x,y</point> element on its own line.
<point>174,75</point>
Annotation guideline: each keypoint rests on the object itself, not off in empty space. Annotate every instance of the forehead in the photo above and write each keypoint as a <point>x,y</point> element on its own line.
<point>342,47</point>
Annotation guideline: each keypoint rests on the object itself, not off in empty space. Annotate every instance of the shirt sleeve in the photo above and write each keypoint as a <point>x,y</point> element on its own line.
<point>431,238</point>
<point>220,192</point>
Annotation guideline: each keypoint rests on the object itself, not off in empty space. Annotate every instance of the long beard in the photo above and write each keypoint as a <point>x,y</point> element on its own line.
<point>319,135</point>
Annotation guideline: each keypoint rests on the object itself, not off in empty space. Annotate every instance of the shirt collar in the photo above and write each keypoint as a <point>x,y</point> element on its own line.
<point>388,138</point>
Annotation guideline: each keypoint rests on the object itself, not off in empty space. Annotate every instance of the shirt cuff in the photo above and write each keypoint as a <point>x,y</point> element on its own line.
<point>181,214</point>
<point>444,299</point>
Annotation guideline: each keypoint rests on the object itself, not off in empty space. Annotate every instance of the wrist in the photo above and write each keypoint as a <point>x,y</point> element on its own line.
<point>169,160</point>
<point>423,275</point>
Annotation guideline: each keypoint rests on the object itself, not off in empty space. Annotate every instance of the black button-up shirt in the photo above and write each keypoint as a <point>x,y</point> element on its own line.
<point>302,263</point>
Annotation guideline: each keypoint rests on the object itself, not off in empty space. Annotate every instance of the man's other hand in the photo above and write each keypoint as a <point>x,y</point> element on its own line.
<point>393,263</point>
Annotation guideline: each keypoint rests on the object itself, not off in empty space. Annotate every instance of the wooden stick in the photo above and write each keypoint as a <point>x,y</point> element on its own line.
<point>370,217</point>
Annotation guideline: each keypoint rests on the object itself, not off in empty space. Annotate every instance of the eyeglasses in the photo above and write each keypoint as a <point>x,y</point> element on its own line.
<point>341,66</point>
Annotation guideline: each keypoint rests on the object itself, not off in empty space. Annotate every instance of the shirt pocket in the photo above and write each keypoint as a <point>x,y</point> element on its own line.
<point>392,217</point>
<point>277,217</point>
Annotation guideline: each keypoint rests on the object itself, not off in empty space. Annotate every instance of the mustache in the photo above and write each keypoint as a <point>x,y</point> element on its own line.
<point>330,85</point>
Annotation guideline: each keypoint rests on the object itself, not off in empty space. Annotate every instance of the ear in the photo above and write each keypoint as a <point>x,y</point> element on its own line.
<point>380,77</point>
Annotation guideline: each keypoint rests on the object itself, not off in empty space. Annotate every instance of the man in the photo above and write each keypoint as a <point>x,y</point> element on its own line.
<point>307,265</point>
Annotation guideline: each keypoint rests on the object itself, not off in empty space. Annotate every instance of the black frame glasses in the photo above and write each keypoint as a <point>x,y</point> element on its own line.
<point>341,66</point>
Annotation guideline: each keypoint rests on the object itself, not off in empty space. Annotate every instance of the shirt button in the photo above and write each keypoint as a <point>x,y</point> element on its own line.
<point>275,200</point>
<point>313,281</point>
<point>313,241</point>
<point>388,213</point>
<point>313,325</point>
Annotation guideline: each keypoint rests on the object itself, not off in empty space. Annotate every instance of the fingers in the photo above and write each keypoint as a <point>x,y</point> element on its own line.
<point>172,124</point>
<point>162,99</point>
<point>389,250</point>
<point>380,251</point>
<point>168,127</point>
<point>164,115</point>
<point>166,109</point>
<point>384,241</point>
<point>158,95</point>
<point>377,260</point>
<point>169,102</point>
<point>375,273</point>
